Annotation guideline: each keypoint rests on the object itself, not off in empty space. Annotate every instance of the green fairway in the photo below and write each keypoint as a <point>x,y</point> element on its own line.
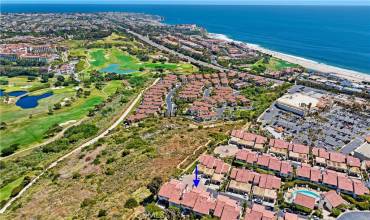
<point>277,64</point>
<point>112,87</point>
<point>6,191</point>
<point>100,59</point>
<point>31,130</point>
<point>10,113</point>
<point>97,58</point>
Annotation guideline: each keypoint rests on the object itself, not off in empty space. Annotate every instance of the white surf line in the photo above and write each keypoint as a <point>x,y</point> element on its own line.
<point>92,141</point>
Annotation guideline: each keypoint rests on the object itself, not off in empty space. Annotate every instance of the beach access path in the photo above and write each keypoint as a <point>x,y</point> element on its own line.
<point>92,141</point>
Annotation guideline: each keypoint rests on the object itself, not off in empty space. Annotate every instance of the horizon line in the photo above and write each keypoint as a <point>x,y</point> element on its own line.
<point>174,4</point>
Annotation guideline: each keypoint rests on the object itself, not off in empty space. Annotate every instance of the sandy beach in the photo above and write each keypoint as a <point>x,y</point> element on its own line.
<point>309,64</point>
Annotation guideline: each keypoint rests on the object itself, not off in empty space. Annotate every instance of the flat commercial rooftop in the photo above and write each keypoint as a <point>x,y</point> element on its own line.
<point>298,100</point>
<point>364,150</point>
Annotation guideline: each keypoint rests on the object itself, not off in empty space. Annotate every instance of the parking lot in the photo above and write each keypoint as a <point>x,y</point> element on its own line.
<point>332,128</point>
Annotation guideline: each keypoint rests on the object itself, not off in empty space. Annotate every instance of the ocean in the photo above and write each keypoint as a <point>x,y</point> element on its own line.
<point>334,35</point>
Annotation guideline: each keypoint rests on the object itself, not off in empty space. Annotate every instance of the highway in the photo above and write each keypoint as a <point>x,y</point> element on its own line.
<point>182,56</point>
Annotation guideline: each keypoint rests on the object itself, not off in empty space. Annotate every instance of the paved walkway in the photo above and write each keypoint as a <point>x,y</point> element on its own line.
<point>92,141</point>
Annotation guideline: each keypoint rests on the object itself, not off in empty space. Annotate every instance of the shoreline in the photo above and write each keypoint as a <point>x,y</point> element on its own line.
<point>309,64</point>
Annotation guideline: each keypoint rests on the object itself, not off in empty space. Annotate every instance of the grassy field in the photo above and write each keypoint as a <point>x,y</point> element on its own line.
<point>6,191</point>
<point>31,130</point>
<point>19,83</point>
<point>277,64</point>
<point>27,126</point>
<point>100,58</point>
<point>273,64</point>
<point>104,176</point>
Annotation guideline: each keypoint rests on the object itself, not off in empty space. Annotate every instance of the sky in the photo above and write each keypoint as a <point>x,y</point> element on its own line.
<point>211,2</point>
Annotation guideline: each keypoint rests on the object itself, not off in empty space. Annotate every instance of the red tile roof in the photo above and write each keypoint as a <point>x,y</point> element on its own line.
<point>189,198</point>
<point>204,204</point>
<point>226,208</point>
<point>315,175</point>
<point>286,167</point>
<point>320,152</point>
<point>337,157</point>
<point>259,212</point>
<point>333,198</point>
<point>268,181</point>
<point>304,171</point>
<point>290,216</point>
<point>252,157</point>
<point>359,187</point>
<point>214,163</point>
<point>258,139</point>
<point>263,160</point>
<point>172,190</point>
<point>278,143</point>
<point>345,183</point>
<point>330,178</point>
<point>299,148</point>
<point>274,164</point>
<point>353,161</point>
<point>242,154</point>
<point>305,201</point>
<point>243,175</point>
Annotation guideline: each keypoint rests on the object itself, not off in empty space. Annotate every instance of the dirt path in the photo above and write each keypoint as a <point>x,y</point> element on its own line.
<point>186,158</point>
<point>92,141</point>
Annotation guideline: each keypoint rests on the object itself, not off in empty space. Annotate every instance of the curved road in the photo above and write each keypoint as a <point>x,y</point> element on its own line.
<point>92,141</point>
<point>352,215</point>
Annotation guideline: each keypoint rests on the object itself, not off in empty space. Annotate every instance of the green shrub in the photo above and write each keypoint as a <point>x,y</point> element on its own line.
<point>110,160</point>
<point>155,184</point>
<point>76,175</point>
<point>87,202</point>
<point>335,212</point>
<point>102,212</point>
<point>131,203</point>
<point>96,161</point>
<point>125,153</point>
<point>9,150</point>
<point>154,212</point>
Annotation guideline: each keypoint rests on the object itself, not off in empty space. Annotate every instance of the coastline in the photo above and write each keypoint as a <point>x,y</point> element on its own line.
<point>309,64</point>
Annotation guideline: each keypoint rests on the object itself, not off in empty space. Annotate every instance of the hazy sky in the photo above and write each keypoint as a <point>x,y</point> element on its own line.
<point>254,2</point>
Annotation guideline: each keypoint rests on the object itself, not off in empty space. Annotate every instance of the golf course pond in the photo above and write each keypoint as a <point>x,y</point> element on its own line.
<point>115,68</point>
<point>31,101</point>
<point>14,93</point>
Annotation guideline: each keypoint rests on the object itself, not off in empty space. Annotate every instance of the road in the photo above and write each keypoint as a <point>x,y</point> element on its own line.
<point>92,141</point>
<point>182,56</point>
<point>187,58</point>
<point>353,145</point>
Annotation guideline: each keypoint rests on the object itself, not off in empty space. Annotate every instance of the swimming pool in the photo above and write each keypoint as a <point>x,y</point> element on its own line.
<point>307,193</point>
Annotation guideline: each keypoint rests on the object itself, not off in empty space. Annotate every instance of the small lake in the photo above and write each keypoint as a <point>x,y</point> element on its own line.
<point>31,101</point>
<point>14,93</point>
<point>114,68</point>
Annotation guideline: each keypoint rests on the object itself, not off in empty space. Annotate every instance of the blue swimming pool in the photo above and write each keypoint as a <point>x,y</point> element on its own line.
<point>307,193</point>
<point>31,101</point>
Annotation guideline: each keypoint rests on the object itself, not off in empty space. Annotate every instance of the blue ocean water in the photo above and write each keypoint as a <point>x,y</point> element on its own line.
<point>335,35</point>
